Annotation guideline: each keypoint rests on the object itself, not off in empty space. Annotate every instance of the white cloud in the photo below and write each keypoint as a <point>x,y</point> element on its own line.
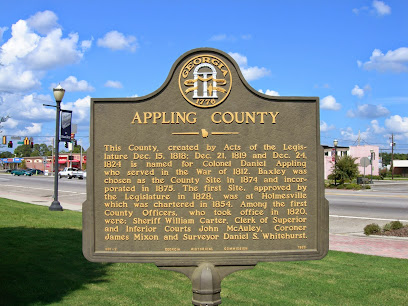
<point>2,30</point>
<point>43,22</point>
<point>397,124</point>
<point>22,42</point>
<point>250,73</point>
<point>218,37</point>
<point>324,127</point>
<point>34,129</point>
<point>86,44</point>
<point>26,55</point>
<point>15,78</point>
<point>330,103</point>
<point>254,73</point>
<point>348,134</point>
<point>80,108</point>
<point>54,51</point>
<point>71,83</point>
<point>115,40</point>
<point>376,128</point>
<point>357,91</point>
<point>269,92</point>
<point>10,123</point>
<point>394,61</point>
<point>28,107</point>
<point>381,8</point>
<point>229,38</point>
<point>378,8</point>
<point>113,84</point>
<point>240,59</point>
<point>369,111</point>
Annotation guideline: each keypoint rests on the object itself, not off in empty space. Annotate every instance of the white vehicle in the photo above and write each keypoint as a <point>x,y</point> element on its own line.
<point>80,175</point>
<point>68,172</point>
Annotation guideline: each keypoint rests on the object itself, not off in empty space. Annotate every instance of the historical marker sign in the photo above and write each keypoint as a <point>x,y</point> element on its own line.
<point>205,169</point>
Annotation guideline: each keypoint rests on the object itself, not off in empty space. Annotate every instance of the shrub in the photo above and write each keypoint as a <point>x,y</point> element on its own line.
<point>372,228</point>
<point>396,225</point>
<point>387,227</point>
<point>353,186</point>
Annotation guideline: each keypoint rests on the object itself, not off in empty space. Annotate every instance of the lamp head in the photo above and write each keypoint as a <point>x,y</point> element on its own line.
<point>335,142</point>
<point>58,93</point>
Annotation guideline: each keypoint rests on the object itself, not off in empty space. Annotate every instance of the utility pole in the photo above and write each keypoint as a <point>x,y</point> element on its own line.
<point>392,156</point>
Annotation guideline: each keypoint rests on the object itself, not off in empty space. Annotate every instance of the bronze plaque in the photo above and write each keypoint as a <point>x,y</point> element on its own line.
<point>205,169</point>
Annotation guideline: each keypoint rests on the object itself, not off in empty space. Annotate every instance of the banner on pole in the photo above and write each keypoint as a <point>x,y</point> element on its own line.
<point>66,117</point>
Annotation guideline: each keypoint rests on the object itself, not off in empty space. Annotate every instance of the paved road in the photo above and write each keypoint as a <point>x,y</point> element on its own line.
<point>40,190</point>
<point>350,211</point>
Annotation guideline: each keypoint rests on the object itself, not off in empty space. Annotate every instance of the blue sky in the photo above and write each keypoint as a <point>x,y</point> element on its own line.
<point>351,54</point>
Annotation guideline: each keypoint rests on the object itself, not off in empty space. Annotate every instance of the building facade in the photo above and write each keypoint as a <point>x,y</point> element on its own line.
<point>46,164</point>
<point>355,152</point>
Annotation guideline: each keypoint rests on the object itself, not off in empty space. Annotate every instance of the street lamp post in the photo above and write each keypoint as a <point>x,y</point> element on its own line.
<point>335,143</point>
<point>58,95</point>
<point>372,157</point>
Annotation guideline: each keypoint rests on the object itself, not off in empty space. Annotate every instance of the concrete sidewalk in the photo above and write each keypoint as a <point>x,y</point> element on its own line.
<point>355,243</point>
<point>385,246</point>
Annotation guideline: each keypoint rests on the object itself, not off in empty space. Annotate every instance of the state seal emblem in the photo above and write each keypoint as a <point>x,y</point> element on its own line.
<point>205,81</point>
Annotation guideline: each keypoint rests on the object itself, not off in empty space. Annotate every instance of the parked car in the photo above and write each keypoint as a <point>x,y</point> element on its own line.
<point>19,172</point>
<point>68,172</point>
<point>36,171</point>
<point>80,175</point>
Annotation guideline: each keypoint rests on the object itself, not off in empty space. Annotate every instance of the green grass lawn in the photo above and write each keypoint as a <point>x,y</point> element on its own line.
<point>41,263</point>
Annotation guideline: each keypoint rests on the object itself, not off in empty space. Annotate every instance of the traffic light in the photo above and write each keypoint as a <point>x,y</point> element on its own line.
<point>10,144</point>
<point>26,141</point>
<point>66,144</point>
<point>32,144</point>
<point>4,140</point>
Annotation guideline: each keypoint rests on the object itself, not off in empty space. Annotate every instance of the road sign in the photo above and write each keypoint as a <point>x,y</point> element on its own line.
<point>364,161</point>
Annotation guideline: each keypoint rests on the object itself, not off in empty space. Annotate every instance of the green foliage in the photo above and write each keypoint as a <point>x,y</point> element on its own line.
<point>37,150</point>
<point>386,157</point>
<point>41,150</point>
<point>345,170</point>
<point>23,151</point>
<point>394,225</point>
<point>6,154</point>
<point>353,186</point>
<point>77,149</point>
<point>372,228</point>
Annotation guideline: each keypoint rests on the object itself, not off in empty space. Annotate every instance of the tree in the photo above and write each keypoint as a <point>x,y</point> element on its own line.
<point>37,150</point>
<point>41,150</point>
<point>386,157</point>
<point>77,149</point>
<point>6,154</point>
<point>345,169</point>
<point>23,151</point>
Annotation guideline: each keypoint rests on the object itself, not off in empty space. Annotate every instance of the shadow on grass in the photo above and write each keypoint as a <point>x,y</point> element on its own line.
<point>42,265</point>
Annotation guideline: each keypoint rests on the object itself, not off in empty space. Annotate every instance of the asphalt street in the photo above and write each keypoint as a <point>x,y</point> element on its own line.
<point>350,211</point>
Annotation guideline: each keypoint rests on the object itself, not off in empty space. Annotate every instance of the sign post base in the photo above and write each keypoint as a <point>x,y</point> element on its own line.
<point>206,281</point>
